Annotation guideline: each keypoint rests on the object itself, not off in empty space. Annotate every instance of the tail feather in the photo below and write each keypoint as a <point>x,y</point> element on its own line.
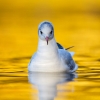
<point>72,53</point>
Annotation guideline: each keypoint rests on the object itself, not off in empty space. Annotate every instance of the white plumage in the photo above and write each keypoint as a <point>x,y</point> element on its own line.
<point>49,56</point>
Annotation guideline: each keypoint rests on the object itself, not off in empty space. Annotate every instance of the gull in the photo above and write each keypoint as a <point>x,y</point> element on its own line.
<point>50,55</point>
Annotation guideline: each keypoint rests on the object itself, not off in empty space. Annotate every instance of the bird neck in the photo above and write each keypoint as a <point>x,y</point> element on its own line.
<point>50,49</point>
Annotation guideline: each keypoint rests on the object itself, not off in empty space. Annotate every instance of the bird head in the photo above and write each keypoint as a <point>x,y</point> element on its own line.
<point>46,31</point>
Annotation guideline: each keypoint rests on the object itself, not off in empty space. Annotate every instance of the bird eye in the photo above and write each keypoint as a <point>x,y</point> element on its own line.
<point>41,32</point>
<point>51,32</point>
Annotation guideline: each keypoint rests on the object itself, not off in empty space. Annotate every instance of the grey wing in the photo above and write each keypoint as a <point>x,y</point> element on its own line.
<point>70,63</point>
<point>68,60</point>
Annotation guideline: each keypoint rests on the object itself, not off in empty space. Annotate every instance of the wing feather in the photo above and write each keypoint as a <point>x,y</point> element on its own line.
<point>67,58</point>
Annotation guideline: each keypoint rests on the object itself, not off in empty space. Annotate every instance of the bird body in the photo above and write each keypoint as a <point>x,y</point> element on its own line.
<point>49,57</point>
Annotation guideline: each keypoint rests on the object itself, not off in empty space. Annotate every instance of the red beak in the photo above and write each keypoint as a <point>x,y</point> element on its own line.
<point>47,38</point>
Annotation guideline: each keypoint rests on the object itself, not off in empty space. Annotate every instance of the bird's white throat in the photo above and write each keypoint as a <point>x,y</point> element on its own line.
<point>49,51</point>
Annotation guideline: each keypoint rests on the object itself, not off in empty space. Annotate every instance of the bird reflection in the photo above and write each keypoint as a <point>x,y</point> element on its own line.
<point>46,83</point>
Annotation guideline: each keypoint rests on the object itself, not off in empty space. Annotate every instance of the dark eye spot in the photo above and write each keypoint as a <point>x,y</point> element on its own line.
<point>51,32</point>
<point>41,32</point>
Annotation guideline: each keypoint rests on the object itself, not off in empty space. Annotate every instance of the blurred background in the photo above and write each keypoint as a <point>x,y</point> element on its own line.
<point>76,23</point>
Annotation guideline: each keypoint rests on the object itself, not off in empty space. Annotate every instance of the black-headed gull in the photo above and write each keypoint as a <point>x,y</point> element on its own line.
<point>50,56</point>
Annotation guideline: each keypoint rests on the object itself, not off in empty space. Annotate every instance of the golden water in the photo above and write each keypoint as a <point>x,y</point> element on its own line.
<point>76,24</point>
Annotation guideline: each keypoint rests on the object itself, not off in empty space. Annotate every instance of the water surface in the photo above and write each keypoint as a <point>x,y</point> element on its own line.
<point>76,24</point>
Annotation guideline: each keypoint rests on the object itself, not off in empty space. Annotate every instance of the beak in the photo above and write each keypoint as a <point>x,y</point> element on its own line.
<point>47,38</point>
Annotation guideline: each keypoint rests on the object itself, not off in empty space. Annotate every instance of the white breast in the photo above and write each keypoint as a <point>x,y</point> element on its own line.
<point>47,58</point>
